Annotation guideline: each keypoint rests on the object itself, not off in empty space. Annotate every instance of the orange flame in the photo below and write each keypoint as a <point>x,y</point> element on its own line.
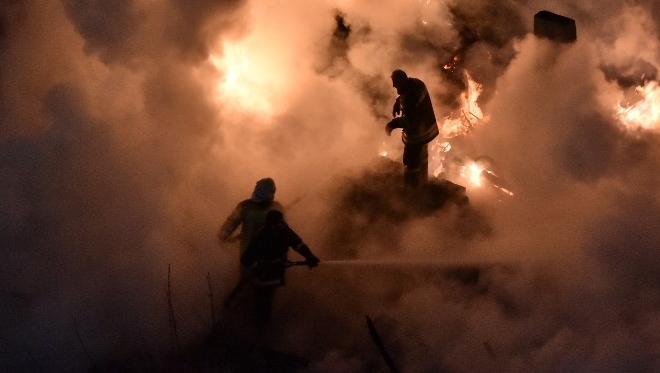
<point>472,171</point>
<point>469,114</point>
<point>478,174</point>
<point>644,114</point>
<point>437,154</point>
<point>244,84</point>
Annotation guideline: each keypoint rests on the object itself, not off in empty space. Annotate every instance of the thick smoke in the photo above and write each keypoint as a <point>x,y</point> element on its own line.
<point>123,147</point>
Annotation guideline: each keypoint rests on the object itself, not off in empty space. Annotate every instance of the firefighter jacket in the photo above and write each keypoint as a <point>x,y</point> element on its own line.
<point>418,118</point>
<point>250,216</point>
<point>267,252</point>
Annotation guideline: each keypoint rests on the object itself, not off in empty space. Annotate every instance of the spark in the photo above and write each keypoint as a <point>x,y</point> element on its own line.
<point>451,65</point>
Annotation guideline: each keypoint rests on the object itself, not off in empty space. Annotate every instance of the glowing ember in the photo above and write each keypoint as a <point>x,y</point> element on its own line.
<point>383,150</point>
<point>470,113</point>
<point>451,65</point>
<point>495,180</point>
<point>472,172</point>
<point>645,114</point>
<point>478,173</point>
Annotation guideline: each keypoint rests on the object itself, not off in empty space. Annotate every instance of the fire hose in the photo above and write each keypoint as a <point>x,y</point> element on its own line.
<point>359,262</point>
<point>248,278</point>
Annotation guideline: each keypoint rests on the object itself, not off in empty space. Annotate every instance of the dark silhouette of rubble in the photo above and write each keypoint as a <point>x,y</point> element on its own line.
<point>375,202</point>
<point>380,193</point>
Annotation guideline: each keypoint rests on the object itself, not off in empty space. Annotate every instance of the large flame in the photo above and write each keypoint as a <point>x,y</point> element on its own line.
<point>257,69</point>
<point>644,114</point>
<point>249,82</point>
<point>469,113</point>
<point>463,120</point>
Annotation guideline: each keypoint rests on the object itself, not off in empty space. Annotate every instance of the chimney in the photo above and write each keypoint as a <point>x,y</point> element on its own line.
<point>554,27</point>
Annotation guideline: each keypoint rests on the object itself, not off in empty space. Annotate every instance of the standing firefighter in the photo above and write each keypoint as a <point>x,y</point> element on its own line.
<point>413,112</point>
<point>266,257</point>
<point>250,213</point>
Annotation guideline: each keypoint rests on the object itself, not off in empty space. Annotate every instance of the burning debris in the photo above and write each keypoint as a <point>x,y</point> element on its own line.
<point>480,172</point>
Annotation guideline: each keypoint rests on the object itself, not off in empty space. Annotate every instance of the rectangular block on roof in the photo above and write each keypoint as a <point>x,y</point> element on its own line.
<point>554,27</point>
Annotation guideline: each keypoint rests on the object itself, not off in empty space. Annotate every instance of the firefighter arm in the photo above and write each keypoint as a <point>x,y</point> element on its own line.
<point>397,122</point>
<point>229,226</point>
<point>396,108</point>
<point>311,259</point>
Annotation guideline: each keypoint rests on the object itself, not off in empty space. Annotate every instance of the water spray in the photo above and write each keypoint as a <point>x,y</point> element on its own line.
<point>404,263</point>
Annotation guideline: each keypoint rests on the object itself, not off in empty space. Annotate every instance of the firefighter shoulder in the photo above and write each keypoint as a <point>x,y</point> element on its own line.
<point>250,213</point>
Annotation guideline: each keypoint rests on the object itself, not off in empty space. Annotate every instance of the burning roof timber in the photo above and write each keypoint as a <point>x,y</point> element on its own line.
<point>554,27</point>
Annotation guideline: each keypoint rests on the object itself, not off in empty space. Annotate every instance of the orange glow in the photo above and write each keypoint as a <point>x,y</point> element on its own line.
<point>437,155</point>
<point>479,175</point>
<point>260,69</point>
<point>383,150</point>
<point>472,171</point>
<point>248,83</point>
<point>644,114</point>
<point>469,114</point>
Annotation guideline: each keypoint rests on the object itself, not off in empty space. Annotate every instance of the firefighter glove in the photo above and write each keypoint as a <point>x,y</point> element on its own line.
<point>312,261</point>
<point>396,108</point>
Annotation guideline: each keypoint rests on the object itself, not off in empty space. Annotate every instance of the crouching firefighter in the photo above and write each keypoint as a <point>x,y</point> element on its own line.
<point>266,257</point>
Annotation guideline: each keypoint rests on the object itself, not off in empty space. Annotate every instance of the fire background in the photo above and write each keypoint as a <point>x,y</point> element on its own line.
<point>130,129</point>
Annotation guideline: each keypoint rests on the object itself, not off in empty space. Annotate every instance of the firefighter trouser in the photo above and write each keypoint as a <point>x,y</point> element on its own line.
<point>263,304</point>
<point>416,164</point>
